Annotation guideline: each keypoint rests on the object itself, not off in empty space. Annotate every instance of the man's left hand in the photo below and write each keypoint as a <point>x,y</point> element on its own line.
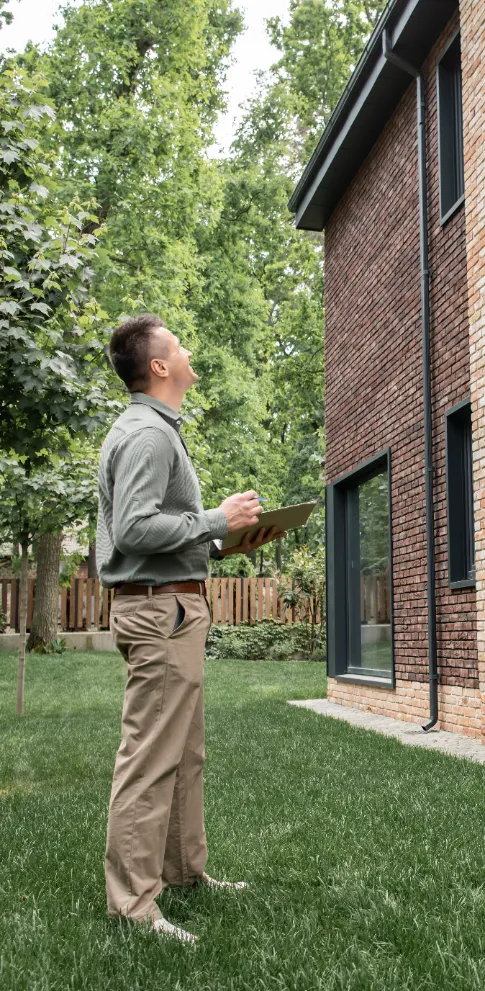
<point>248,543</point>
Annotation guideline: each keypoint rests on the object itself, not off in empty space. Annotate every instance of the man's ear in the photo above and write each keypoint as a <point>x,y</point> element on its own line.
<point>159,367</point>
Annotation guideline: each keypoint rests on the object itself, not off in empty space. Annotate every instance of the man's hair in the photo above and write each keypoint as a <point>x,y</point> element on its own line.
<point>130,349</point>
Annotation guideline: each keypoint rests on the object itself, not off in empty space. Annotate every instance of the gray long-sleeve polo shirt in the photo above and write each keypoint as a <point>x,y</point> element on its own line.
<point>152,527</point>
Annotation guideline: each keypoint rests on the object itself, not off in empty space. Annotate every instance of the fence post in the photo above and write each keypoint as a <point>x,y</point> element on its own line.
<point>252,601</point>
<point>5,601</point>
<point>245,591</point>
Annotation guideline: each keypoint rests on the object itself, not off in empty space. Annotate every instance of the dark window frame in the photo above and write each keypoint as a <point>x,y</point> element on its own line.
<point>450,151</point>
<point>337,554</point>
<point>459,499</point>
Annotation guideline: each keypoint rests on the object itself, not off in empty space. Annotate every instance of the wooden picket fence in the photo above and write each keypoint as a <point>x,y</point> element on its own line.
<point>85,605</point>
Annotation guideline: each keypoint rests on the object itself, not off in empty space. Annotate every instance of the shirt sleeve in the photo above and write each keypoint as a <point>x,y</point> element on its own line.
<point>141,470</point>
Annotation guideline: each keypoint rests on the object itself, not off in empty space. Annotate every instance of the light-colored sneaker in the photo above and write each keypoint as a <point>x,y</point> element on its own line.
<point>212,883</point>
<point>166,928</point>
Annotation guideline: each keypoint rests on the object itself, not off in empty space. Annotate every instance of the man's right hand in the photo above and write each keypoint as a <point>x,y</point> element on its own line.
<point>241,510</point>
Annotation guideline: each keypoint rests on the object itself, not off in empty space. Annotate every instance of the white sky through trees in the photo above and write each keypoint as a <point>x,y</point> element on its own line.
<point>33,20</point>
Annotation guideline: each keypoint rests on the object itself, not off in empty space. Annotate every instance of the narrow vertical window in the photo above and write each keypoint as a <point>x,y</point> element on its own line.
<point>450,123</point>
<point>459,483</point>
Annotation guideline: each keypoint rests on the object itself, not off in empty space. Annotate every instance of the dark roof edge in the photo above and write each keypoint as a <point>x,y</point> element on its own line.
<point>335,121</point>
<point>367,103</point>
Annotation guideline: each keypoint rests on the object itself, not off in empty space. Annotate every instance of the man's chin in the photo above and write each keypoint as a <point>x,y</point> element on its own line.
<point>194,376</point>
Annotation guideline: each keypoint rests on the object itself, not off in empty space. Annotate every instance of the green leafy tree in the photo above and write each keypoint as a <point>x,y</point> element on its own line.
<point>320,46</point>
<point>263,304</point>
<point>76,487</point>
<point>135,121</point>
<point>35,503</point>
<point>138,85</point>
<point>254,253</point>
<point>52,358</point>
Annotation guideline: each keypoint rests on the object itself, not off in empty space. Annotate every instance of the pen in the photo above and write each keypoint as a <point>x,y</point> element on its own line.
<point>261,499</point>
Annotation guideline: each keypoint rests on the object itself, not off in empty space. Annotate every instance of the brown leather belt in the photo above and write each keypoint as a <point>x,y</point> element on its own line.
<point>131,588</point>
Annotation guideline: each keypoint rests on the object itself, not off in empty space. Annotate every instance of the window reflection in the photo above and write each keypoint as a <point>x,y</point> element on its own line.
<point>375,594</point>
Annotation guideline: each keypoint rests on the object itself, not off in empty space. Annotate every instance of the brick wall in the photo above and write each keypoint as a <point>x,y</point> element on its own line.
<point>374,393</point>
<point>459,708</point>
<point>472,16</point>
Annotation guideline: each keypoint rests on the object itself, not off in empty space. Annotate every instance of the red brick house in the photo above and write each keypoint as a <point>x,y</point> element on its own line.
<point>398,183</point>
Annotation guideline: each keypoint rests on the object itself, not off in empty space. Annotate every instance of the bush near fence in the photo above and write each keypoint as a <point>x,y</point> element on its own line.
<point>266,639</point>
<point>85,605</point>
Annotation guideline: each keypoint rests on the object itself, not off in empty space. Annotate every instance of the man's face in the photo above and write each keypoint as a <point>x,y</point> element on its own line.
<point>176,365</point>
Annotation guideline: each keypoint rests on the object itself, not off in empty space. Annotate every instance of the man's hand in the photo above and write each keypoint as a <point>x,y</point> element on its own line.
<point>241,510</point>
<point>249,543</point>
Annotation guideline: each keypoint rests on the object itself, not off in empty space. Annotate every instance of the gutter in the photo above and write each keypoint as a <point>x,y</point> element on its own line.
<point>391,56</point>
<point>346,98</point>
<point>373,92</point>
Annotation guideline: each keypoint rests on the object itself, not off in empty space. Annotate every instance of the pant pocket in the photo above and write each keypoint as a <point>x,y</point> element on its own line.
<point>179,617</point>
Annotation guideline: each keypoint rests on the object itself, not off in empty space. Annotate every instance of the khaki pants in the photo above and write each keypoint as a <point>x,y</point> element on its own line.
<point>156,833</point>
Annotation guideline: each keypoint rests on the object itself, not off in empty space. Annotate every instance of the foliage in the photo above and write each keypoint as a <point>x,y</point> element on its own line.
<point>69,566</point>
<point>233,566</point>
<point>133,129</point>
<point>46,499</point>
<point>49,344</point>
<point>373,499</point>
<point>6,16</point>
<point>16,563</point>
<point>258,304</point>
<point>270,638</point>
<point>264,280</point>
<point>134,117</point>
<point>306,570</point>
<point>53,383</point>
<point>319,47</point>
<point>3,620</point>
<point>57,646</point>
<point>208,243</point>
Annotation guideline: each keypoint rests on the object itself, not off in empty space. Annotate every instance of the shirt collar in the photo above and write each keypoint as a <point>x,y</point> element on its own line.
<point>173,418</point>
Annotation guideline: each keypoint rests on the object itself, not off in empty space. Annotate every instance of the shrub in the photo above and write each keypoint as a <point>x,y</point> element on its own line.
<point>268,639</point>
<point>56,646</point>
<point>306,570</point>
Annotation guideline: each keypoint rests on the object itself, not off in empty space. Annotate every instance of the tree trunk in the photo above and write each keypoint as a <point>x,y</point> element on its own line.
<point>278,554</point>
<point>24,587</point>
<point>92,570</point>
<point>44,620</point>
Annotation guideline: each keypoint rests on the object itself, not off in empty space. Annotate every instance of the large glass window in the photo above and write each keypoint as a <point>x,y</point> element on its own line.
<point>359,606</point>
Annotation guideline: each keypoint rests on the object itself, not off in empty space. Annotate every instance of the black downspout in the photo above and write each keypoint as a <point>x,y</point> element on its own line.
<point>425,322</point>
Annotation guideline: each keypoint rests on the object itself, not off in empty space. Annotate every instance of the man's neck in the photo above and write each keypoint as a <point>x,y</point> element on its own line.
<point>171,397</point>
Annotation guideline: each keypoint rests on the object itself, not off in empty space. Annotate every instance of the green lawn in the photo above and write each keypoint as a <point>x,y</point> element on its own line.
<point>366,859</point>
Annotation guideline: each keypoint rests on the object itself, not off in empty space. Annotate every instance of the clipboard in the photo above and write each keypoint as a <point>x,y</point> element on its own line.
<point>287,518</point>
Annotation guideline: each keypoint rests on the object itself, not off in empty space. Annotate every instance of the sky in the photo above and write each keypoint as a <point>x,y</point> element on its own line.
<point>33,20</point>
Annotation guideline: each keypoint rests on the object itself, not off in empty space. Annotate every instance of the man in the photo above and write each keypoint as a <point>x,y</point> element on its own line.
<point>153,544</point>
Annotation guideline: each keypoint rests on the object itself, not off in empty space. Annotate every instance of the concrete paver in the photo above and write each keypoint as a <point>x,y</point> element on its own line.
<point>410,733</point>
